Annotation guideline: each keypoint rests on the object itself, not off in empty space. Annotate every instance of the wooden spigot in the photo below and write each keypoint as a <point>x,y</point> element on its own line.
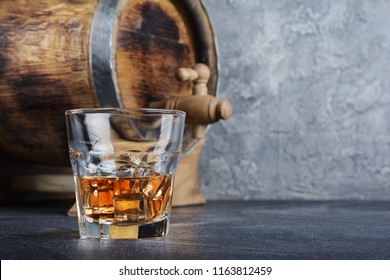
<point>201,109</point>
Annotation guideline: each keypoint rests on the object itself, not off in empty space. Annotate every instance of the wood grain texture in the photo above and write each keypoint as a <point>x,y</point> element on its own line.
<point>157,32</point>
<point>44,71</point>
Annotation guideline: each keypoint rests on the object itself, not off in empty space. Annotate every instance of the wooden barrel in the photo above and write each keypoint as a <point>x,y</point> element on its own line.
<point>61,54</point>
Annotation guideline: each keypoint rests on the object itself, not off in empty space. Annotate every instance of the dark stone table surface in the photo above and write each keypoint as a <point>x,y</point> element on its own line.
<point>218,230</point>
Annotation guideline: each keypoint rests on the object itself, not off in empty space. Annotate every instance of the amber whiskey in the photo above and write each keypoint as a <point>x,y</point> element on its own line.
<point>121,200</point>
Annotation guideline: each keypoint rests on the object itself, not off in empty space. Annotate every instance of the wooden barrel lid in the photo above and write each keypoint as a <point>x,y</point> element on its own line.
<point>151,40</point>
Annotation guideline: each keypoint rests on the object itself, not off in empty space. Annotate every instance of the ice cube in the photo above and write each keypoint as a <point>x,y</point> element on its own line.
<point>149,209</point>
<point>127,207</point>
<point>106,167</point>
<point>124,171</point>
<point>148,190</point>
<point>133,158</point>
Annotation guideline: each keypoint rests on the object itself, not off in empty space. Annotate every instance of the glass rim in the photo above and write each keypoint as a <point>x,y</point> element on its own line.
<point>127,111</point>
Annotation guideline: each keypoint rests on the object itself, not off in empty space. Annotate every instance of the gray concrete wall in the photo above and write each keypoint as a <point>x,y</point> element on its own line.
<point>309,81</point>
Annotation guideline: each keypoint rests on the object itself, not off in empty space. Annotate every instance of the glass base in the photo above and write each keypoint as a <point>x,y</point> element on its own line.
<point>90,230</point>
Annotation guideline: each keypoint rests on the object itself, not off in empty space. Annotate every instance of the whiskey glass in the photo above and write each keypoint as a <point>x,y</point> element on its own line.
<point>124,163</point>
